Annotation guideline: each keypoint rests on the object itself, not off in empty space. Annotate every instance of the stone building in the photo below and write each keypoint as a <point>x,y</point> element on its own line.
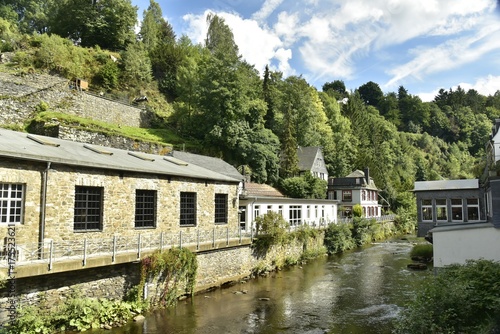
<point>58,192</point>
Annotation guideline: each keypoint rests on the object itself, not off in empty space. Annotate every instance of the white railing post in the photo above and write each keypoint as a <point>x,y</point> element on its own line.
<point>51,253</point>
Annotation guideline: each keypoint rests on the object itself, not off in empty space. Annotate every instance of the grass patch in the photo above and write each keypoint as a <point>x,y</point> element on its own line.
<point>159,136</point>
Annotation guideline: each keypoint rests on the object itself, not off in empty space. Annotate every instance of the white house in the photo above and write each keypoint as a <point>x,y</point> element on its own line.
<point>356,188</point>
<point>258,199</point>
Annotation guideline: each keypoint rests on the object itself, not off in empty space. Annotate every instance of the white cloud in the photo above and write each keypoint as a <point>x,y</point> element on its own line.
<point>267,9</point>
<point>484,86</point>
<point>258,45</point>
<point>332,37</point>
<point>446,56</point>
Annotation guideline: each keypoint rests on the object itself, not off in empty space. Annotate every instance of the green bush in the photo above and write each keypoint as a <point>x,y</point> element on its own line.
<point>424,251</point>
<point>405,222</point>
<point>338,238</point>
<point>361,231</point>
<point>272,229</point>
<point>460,299</point>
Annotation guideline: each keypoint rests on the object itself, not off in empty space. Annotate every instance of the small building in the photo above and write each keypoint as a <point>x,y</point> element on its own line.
<point>447,202</point>
<point>311,160</point>
<point>462,217</point>
<point>259,199</point>
<point>356,188</point>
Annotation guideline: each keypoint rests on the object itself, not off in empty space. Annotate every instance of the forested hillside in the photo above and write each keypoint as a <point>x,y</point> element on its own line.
<point>214,99</point>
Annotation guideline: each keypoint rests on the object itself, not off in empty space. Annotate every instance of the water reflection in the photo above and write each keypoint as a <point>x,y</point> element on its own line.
<point>357,292</point>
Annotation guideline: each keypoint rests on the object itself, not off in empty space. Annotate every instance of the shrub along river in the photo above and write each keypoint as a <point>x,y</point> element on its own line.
<point>359,291</point>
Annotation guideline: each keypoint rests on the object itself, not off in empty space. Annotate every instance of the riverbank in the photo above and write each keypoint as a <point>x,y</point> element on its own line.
<point>268,253</point>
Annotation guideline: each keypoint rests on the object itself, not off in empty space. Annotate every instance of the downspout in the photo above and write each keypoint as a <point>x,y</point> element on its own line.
<point>253,218</point>
<point>43,204</point>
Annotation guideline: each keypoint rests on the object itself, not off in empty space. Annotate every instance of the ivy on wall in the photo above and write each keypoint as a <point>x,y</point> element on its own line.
<point>172,270</point>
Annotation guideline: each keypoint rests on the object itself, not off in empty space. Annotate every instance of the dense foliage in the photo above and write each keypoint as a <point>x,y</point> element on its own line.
<point>361,231</point>
<point>76,313</point>
<point>460,299</point>
<point>173,271</point>
<point>222,106</point>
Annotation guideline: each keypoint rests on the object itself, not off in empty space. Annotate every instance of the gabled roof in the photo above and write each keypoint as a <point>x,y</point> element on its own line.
<point>261,190</point>
<point>307,156</point>
<point>446,185</point>
<point>214,164</point>
<point>18,145</point>
<point>355,180</point>
<point>357,173</point>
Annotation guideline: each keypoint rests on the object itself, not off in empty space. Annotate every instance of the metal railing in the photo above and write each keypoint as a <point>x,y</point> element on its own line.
<point>51,251</point>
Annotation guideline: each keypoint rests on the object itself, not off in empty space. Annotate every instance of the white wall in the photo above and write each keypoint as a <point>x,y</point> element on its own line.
<point>458,245</point>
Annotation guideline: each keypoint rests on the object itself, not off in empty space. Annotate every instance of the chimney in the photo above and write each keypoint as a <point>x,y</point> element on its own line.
<point>367,175</point>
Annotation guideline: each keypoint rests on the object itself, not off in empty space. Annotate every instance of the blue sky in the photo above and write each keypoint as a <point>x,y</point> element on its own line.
<point>422,45</point>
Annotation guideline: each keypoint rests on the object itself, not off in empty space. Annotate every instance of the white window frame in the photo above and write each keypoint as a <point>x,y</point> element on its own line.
<point>440,207</point>
<point>12,203</point>
<point>426,206</point>
<point>455,206</point>
<point>471,205</point>
<point>295,215</point>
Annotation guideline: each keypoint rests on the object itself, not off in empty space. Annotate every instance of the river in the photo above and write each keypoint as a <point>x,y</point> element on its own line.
<point>359,291</point>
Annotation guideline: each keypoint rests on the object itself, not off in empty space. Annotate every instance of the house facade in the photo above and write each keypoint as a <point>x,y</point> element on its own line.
<point>311,160</point>
<point>447,202</point>
<point>54,191</point>
<point>462,217</point>
<point>259,199</point>
<point>356,188</point>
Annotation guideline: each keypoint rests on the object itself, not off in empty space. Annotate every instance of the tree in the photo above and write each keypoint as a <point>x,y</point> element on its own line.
<point>289,158</point>
<point>107,23</point>
<point>220,39</point>
<point>335,89</point>
<point>371,93</point>
<point>137,67</point>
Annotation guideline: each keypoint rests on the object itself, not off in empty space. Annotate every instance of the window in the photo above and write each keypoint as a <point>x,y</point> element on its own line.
<point>347,211</point>
<point>308,212</point>
<point>295,216</point>
<point>188,209</point>
<point>363,195</point>
<point>347,195</point>
<point>457,214</point>
<point>11,203</point>
<point>88,208</point>
<point>280,210</point>
<point>426,210</point>
<point>256,211</point>
<point>145,208</point>
<point>243,216</point>
<point>472,209</point>
<point>221,208</point>
<point>441,211</point>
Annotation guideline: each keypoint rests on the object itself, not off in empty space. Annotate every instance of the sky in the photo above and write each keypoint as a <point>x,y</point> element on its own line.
<point>421,45</point>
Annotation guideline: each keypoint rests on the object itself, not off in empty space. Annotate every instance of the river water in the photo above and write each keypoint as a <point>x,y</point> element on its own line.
<point>359,291</point>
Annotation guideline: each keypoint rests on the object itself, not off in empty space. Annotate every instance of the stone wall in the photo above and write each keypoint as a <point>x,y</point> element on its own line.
<point>56,130</point>
<point>20,96</point>
<point>118,209</point>
<point>214,269</point>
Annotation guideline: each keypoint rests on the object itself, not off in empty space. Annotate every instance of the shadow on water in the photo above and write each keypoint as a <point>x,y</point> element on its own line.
<point>360,291</point>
